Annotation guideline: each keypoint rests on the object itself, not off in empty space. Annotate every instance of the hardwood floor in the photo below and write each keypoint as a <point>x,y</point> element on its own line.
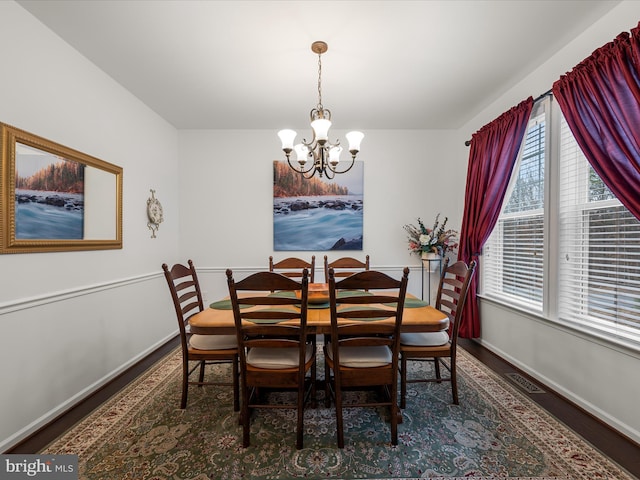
<point>622,450</point>
<point>617,447</point>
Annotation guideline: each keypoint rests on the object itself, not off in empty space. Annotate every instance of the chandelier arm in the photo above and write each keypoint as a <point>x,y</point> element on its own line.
<point>312,144</point>
<point>301,170</point>
<point>309,175</point>
<point>335,170</point>
<point>330,174</point>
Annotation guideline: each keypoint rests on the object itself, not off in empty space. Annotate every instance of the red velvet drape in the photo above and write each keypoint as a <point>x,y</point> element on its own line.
<point>494,150</point>
<point>600,99</point>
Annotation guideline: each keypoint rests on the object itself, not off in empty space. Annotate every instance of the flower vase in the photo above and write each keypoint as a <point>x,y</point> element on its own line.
<point>431,261</point>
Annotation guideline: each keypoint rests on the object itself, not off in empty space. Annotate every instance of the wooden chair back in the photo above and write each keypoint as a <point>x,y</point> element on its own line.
<point>270,313</point>
<point>185,293</point>
<point>452,293</point>
<point>450,299</point>
<point>292,267</point>
<point>187,301</point>
<point>282,319</point>
<point>344,266</point>
<point>366,314</point>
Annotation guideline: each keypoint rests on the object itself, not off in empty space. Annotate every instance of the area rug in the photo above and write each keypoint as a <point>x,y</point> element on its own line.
<point>495,432</point>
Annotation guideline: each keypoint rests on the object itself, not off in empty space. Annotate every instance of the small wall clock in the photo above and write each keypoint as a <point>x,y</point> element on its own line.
<point>154,213</point>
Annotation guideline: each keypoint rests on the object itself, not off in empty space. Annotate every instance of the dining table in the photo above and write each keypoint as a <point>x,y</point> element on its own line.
<point>418,315</point>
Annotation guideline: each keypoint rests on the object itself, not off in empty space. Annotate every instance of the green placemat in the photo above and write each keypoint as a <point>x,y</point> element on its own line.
<point>411,303</point>
<point>415,303</point>
<point>316,306</point>
<point>221,305</point>
<point>352,293</point>
<point>226,305</point>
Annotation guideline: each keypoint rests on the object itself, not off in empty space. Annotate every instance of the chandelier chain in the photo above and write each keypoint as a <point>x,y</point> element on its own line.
<point>319,81</point>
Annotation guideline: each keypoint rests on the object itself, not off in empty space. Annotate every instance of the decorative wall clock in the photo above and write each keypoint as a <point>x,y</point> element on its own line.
<point>154,213</point>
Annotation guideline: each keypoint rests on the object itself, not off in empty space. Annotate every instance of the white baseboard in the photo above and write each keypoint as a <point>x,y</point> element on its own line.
<point>52,414</point>
<point>598,413</point>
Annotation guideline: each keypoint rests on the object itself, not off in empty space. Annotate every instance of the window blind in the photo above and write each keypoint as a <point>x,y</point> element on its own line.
<point>513,256</point>
<point>599,241</point>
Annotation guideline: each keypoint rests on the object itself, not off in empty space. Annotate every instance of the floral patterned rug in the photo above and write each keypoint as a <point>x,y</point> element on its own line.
<point>496,431</point>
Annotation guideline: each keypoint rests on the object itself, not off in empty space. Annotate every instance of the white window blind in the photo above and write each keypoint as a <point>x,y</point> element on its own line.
<point>513,256</point>
<point>599,264</point>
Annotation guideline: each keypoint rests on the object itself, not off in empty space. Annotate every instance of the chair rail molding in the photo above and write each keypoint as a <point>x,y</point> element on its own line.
<point>62,295</point>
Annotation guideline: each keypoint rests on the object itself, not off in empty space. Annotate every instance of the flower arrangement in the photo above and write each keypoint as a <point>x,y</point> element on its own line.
<point>438,239</point>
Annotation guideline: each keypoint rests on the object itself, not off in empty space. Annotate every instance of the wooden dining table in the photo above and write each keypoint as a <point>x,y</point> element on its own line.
<point>417,315</point>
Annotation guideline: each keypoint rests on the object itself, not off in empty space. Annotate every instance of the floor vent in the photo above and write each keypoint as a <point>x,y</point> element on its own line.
<point>524,383</point>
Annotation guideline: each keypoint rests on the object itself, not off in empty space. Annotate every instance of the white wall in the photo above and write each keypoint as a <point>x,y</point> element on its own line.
<point>69,321</point>
<point>597,375</point>
<point>226,203</point>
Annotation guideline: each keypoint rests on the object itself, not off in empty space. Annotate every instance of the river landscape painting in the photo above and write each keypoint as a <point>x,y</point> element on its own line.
<point>49,196</point>
<point>317,214</point>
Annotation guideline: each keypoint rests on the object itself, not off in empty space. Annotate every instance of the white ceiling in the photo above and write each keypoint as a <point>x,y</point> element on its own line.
<point>248,64</point>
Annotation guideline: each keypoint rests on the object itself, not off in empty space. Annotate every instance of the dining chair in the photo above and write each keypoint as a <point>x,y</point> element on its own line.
<point>362,353</point>
<point>292,267</point>
<point>345,266</point>
<point>436,347</point>
<point>274,348</point>
<point>203,349</point>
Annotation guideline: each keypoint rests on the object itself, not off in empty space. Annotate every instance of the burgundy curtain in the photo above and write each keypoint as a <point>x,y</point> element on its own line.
<point>494,150</point>
<point>600,99</point>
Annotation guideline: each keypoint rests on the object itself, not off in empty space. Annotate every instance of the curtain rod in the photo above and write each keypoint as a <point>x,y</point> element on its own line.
<point>537,99</point>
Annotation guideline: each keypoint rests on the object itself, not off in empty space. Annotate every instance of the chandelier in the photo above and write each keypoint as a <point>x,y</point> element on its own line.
<point>319,155</point>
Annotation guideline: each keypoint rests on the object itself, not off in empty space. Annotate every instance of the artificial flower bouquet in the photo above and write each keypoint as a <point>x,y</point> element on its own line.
<point>437,239</point>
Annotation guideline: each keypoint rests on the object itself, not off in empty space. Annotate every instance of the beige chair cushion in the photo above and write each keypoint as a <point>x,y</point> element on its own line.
<point>425,339</point>
<point>274,359</point>
<point>363,357</point>
<point>213,342</point>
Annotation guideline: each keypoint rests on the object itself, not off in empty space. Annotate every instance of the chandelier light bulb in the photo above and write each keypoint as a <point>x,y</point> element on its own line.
<point>321,129</point>
<point>287,137</point>
<point>302,152</point>
<point>354,139</point>
<point>334,155</point>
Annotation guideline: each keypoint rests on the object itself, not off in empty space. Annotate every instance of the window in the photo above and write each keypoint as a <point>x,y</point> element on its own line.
<point>599,265</point>
<point>513,256</point>
<point>594,241</point>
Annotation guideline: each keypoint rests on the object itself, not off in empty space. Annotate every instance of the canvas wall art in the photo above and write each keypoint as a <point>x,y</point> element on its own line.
<point>49,195</point>
<point>317,214</point>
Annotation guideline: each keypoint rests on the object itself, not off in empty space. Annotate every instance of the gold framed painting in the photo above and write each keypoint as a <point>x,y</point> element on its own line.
<point>54,198</point>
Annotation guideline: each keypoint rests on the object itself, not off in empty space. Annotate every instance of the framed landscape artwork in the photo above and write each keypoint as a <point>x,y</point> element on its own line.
<point>49,196</point>
<point>317,214</point>
<point>53,198</point>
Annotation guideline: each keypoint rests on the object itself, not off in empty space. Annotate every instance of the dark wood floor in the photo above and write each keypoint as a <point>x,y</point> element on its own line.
<point>622,450</point>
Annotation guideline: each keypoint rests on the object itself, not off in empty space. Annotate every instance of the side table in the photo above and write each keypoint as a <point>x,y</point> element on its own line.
<point>430,265</point>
